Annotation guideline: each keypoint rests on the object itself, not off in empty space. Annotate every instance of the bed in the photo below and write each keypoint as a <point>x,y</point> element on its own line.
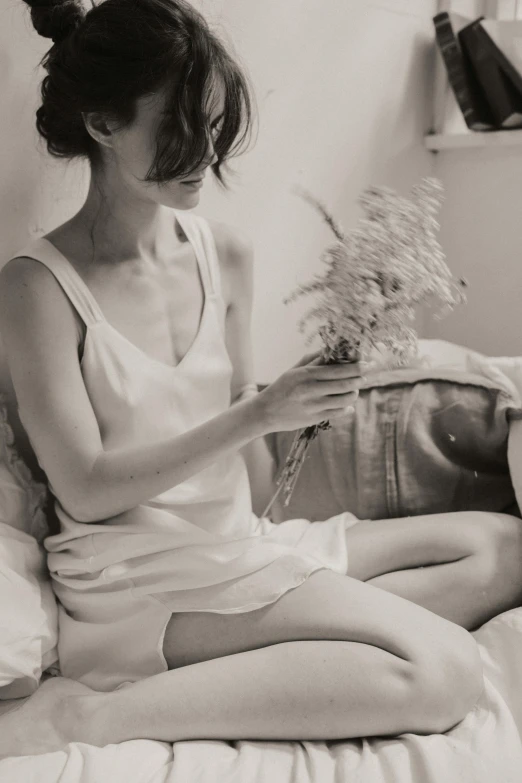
<point>485,747</point>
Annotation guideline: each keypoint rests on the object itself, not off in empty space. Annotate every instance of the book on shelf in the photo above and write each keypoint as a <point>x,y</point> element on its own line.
<point>504,39</point>
<point>503,94</point>
<point>466,88</point>
<point>446,115</point>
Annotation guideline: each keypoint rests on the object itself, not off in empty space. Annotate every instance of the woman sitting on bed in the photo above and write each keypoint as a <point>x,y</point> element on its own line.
<point>183,614</point>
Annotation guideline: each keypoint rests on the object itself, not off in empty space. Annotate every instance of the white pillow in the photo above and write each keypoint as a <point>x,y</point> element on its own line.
<point>28,614</point>
<point>28,608</point>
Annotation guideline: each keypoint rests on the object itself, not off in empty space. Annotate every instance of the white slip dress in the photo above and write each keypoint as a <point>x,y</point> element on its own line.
<point>197,547</point>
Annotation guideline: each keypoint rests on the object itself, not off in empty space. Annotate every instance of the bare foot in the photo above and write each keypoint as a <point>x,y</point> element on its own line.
<point>48,720</point>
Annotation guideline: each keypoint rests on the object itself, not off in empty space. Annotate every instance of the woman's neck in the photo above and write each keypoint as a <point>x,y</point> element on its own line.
<point>124,226</point>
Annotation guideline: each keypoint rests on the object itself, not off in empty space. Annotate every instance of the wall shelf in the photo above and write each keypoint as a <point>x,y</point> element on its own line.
<point>438,142</point>
<point>449,131</point>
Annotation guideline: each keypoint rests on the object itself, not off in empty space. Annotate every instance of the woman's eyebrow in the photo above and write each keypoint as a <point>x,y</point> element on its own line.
<point>217,119</point>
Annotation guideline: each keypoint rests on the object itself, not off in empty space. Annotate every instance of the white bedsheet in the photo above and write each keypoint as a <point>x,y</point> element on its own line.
<point>485,748</point>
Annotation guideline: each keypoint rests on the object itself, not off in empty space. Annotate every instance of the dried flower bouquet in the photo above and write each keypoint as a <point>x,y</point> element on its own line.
<point>375,276</point>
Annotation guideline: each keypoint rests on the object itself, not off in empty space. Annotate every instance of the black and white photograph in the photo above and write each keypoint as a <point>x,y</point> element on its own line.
<point>260,391</point>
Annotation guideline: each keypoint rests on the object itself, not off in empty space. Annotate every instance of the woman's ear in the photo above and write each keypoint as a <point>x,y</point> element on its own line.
<point>99,128</point>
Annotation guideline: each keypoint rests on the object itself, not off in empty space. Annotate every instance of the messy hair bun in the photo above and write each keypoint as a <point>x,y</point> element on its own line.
<point>55,19</point>
<point>122,50</point>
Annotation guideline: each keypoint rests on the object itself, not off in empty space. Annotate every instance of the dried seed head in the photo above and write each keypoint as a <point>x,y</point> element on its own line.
<point>378,272</point>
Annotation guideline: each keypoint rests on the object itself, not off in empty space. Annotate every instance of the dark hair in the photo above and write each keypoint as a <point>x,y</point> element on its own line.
<point>105,59</point>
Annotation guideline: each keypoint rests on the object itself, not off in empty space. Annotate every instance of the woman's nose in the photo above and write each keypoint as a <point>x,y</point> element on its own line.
<point>211,157</point>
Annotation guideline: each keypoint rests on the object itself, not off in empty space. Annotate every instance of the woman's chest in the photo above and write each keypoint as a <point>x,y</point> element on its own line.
<point>158,308</point>
<point>137,399</point>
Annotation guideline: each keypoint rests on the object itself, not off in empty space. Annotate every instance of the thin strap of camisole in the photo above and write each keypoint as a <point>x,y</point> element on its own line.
<point>198,232</point>
<point>201,235</point>
<point>76,290</point>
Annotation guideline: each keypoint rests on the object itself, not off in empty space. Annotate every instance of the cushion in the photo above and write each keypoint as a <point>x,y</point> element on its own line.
<point>425,439</point>
<point>28,614</point>
<point>22,498</point>
<point>28,609</point>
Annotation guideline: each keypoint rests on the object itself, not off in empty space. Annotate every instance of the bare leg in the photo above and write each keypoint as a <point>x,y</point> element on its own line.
<point>464,566</point>
<point>364,662</point>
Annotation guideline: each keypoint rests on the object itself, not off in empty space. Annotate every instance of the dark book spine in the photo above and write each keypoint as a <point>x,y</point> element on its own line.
<point>504,62</point>
<point>458,75</point>
<point>505,103</point>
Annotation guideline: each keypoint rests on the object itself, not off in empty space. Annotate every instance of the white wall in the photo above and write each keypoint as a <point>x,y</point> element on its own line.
<point>481,232</point>
<point>344,96</point>
<point>482,236</point>
<point>344,93</point>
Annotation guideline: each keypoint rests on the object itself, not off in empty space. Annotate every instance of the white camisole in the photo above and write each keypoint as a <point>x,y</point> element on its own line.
<point>197,547</point>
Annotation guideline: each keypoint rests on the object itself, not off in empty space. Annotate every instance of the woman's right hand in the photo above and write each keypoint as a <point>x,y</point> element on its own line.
<point>310,392</point>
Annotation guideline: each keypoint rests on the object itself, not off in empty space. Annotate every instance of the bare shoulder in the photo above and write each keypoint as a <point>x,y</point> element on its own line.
<point>30,295</point>
<point>25,274</point>
<point>236,257</point>
<point>24,283</point>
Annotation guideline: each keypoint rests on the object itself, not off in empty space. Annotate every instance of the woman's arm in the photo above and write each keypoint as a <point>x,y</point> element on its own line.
<point>41,332</point>
<point>236,260</point>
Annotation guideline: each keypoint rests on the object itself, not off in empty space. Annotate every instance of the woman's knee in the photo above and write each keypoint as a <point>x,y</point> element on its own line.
<point>499,555</point>
<point>445,681</point>
<point>495,531</point>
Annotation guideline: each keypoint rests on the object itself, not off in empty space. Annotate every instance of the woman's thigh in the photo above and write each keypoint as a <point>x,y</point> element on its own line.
<point>326,606</point>
<point>384,546</point>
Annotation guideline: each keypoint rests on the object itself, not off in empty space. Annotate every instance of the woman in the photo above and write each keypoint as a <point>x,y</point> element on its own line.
<point>184,615</point>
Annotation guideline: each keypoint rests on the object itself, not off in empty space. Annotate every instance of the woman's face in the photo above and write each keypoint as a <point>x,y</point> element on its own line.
<point>133,151</point>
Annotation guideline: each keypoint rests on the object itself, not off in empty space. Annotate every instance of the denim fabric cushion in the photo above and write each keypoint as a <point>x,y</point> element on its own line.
<point>414,445</point>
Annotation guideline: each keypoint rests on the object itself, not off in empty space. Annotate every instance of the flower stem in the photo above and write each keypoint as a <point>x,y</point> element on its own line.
<point>293,464</point>
<point>303,437</point>
<point>273,499</point>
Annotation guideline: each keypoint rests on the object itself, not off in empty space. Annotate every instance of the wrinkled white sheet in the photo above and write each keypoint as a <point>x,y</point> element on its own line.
<point>485,748</point>
<point>504,371</point>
